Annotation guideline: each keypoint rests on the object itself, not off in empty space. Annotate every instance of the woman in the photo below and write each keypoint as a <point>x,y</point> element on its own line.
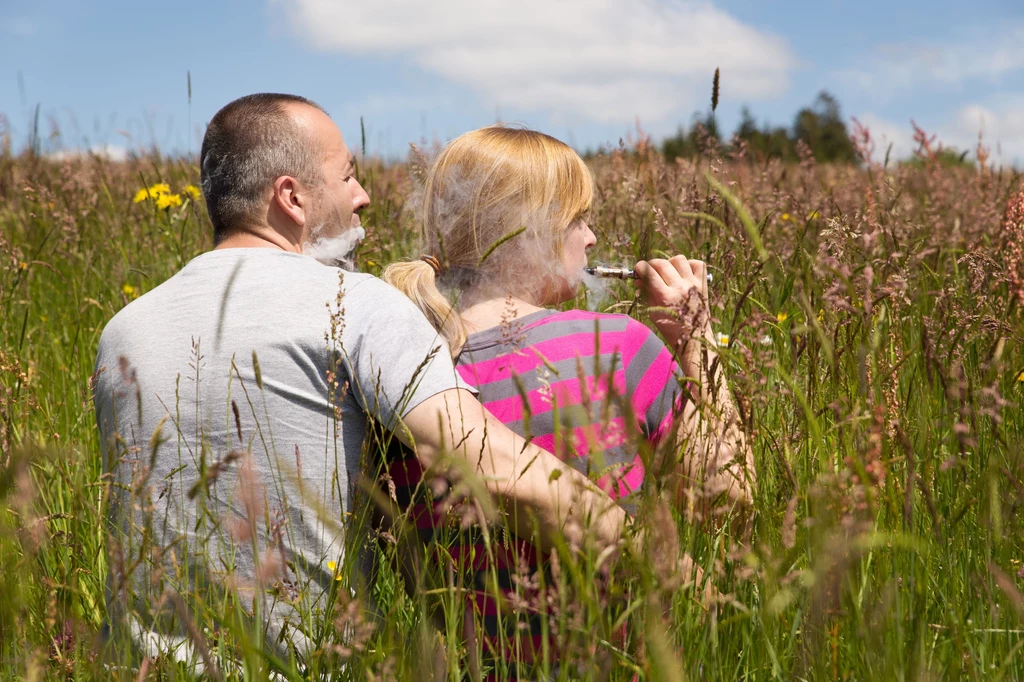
<point>503,213</point>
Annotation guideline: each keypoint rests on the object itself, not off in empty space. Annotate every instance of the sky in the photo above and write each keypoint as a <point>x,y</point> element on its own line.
<point>114,75</point>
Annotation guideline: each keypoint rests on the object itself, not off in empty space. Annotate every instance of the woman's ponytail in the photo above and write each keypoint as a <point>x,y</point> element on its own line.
<point>416,279</point>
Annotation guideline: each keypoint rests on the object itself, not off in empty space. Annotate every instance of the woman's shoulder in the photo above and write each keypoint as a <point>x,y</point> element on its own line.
<point>588,320</point>
<point>565,330</point>
<point>581,326</point>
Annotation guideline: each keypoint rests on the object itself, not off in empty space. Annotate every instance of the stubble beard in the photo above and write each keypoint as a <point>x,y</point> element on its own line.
<point>338,250</point>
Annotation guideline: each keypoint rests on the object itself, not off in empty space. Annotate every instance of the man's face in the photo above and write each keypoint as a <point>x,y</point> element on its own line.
<point>333,227</point>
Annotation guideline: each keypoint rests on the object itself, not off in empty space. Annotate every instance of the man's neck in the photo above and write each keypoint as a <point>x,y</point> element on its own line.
<point>268,239</point>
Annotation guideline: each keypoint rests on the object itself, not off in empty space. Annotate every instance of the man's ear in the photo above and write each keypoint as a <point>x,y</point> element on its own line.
<point>291,198</point>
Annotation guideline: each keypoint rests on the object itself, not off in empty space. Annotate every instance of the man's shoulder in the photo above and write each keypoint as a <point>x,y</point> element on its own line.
<point>133,316</point>
<point>296,271</point>
<point>263,279</point>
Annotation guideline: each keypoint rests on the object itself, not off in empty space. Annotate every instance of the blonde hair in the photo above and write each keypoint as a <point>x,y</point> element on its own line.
<point>496,204</point>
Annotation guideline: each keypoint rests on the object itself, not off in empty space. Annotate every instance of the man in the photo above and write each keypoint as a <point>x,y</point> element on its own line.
<point>234,398</point>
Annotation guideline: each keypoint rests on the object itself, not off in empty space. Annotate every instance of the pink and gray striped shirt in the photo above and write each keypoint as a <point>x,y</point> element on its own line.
<point>581,385</point>
<point>549,367</point>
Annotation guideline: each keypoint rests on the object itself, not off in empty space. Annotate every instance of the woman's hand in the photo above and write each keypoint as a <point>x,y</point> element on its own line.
<point>677,291</point>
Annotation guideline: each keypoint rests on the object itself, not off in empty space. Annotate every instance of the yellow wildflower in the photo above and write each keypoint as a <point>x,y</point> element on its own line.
<point>782,317</point>
<point>1020,377</point>
<point>152,192</point>
<point>22,265</point>
<point>813,215</point>
<point>785,216</point>
<point>332,566</point>
<point>371,263</point>
<point>821,314</point>
<point>129,291</point>
<point>168,200</point>
<point>192,191</point>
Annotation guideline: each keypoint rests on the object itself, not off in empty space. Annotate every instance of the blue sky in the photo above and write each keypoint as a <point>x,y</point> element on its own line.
<point>113,73</point>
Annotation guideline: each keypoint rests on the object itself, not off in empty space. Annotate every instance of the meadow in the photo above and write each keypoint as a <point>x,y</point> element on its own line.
<point>870,322</point>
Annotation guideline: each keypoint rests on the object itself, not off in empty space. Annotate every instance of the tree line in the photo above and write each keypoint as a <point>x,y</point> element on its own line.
<point>817,130</point>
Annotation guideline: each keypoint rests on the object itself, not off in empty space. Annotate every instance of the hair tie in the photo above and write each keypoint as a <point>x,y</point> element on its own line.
<point>433,263</point>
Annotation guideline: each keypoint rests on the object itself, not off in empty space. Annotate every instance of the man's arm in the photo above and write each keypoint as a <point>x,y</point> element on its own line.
<point>530,484</point>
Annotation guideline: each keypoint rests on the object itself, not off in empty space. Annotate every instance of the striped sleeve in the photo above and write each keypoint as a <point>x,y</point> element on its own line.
<point>653,380</point>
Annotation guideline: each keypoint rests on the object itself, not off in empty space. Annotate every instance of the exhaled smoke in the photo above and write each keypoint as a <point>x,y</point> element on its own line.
<point>338,251</point>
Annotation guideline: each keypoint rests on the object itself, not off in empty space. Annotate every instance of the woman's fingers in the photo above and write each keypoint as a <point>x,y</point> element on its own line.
<point>700,272</point>
<point>651,283</point>
<point>666,281</point>
<point>669,271</point>
<point>682,266</point>
<point>673,271</point>
<point>698,268</point>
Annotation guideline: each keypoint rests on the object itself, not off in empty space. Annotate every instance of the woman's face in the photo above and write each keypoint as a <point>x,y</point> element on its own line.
<point>578,240</point>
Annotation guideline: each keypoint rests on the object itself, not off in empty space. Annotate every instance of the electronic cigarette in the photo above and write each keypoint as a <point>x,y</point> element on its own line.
<point>619,273</point>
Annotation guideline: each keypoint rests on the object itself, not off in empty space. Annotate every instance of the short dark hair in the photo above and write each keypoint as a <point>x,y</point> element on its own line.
<point>248,145</point>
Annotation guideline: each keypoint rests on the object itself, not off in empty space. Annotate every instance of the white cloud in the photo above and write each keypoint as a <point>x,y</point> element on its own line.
<point>987,57</point>
<point>885,133</point>
<point>604,60</point>
<point>1001,127</point>
<point>110,152</point>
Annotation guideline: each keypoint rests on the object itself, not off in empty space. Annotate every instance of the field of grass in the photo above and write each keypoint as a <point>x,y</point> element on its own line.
<point>871,325</point>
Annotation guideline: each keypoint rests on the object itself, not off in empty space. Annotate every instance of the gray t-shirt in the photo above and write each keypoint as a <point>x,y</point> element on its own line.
<point>229,477</point>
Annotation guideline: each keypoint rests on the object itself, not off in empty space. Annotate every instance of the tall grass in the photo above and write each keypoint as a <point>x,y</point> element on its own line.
<point>874,348</point>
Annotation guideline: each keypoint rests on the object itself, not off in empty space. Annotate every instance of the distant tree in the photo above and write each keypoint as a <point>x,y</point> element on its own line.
<point>821,128</point>
<point>766,142</point>
<point>747,129</point>
<point>678,146</point>
<point>702,136</point>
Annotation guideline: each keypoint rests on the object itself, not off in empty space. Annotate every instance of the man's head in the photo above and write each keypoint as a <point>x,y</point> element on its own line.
<point>277,163</point>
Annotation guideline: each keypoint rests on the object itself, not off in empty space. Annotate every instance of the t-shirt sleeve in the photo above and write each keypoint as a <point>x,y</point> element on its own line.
<point>395,358</point>
<point>653,379</point>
